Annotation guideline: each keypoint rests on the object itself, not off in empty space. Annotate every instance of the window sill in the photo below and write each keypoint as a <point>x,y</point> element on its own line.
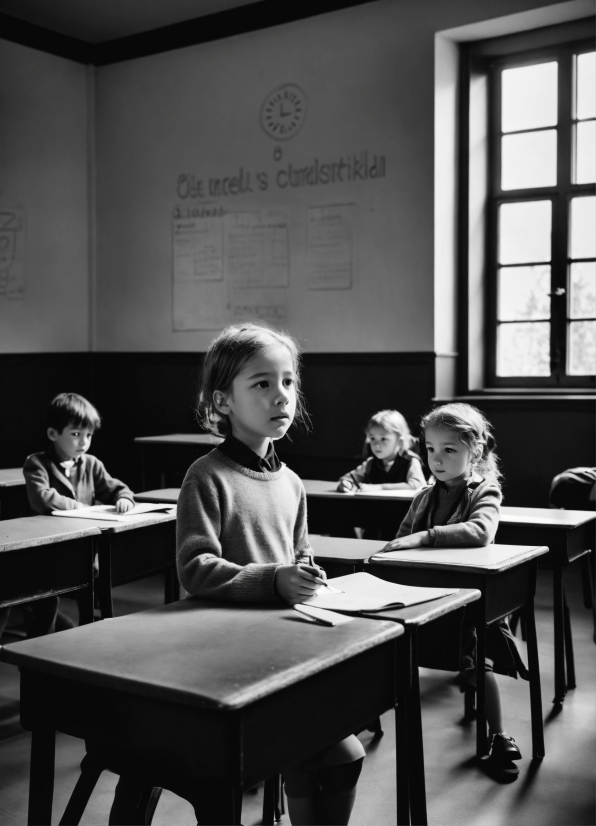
<point>523,395</point>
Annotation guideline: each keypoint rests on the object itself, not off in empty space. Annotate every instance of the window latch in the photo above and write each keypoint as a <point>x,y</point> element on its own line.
<point>558,291</point>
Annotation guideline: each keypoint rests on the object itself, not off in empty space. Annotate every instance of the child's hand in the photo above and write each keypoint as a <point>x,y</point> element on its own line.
<point>72,504</point>
<point>123,505</point>
<point>295,583</point>
<point>345,486</point>
<point>414,540</point>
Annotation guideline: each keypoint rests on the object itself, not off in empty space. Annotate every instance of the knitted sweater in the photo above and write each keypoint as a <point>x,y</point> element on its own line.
<point>48,488</point>
<point>474,522</point>
<point>236,527</point>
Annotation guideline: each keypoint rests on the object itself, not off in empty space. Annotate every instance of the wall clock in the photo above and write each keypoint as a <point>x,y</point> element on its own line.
<point>283,112</point>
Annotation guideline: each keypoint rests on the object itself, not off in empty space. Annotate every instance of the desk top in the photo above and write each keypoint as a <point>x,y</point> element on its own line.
<point>205,654</point>
<point>11,477</point>
<point>180,439</point>
<point>491,559</point>
<point>328,490</point>
<point>342,549</point>
<point>167,495</point>
<point>545,517</point>
<point>423,612</point>
<point>31,531</point>
<point>143,520</point>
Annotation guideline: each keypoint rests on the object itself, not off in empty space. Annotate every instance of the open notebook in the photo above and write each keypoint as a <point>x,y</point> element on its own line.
<point>363,592</point>
<point>108,512</point>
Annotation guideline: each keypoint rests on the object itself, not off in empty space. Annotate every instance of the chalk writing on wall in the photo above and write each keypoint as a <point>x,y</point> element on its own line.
<point>12,252</point>
<point>329,251</point>
<point>360,166</point>
<point>229,267</point>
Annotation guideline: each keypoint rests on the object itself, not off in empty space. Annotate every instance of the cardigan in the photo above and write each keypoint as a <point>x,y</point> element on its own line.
<point>236,527</point>
<point>474,522</point>
<point>48,488</point>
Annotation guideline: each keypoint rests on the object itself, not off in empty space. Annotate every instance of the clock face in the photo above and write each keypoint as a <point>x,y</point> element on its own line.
<point>283,112</point>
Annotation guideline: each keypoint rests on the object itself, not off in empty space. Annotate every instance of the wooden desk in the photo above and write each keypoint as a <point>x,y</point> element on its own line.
<point>432,637</point>
<point>332,512</point>
<point>167,495</point>
<point>171,453</point>
<point>43,556</point>
<point>506,577</point>
<point>142,546</point>
<point>569,535</point>
<point>149,690</point>
<point>13,494</point>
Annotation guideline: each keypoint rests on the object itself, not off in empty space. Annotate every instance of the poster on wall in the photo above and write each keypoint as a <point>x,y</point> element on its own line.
<point>265,304</point>
<point>12,252</point>
<point>228,268</point>
<point>330,247</point>
<point>256,248</point>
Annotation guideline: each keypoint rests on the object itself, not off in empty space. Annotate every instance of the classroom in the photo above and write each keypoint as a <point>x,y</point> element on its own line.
<point>342,173</point>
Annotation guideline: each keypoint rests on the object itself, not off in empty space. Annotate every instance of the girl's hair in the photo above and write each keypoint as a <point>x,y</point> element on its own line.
<point>394,422</point>
<point>474,431</point>
<point>70,408</point>
<point>225,358</point>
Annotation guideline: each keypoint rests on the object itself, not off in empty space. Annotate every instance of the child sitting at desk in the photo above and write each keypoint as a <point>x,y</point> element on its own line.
<point>64,477</point>
<point>392,466</point>
<point>462,510</point>
<point>242,534</point>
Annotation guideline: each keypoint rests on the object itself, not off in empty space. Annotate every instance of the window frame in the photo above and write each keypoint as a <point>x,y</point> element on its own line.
<point>489,58</point>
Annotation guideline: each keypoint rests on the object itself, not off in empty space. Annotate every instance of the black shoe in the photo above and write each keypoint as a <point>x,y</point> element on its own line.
<point>504,748</point>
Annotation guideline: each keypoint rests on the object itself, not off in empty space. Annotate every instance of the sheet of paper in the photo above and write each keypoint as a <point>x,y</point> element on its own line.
<point>198,249</point>
<point>199,305</point>
<point>322,615</point>
<point>12,252</point>
<point>256,248</point>
<point>267,304</point>
<point>109,512</point>
<point>363,592</point>
<point>329,250</point>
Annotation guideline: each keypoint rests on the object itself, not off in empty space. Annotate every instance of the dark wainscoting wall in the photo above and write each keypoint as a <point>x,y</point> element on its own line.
<point>144,394</point>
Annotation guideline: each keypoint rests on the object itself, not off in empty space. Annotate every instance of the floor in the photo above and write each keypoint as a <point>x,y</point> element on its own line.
<point>558,791</point>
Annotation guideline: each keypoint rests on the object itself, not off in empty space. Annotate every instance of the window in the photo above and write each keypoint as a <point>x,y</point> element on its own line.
<point>540,261</point>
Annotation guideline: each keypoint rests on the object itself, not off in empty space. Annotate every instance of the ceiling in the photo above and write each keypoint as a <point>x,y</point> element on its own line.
<point>99,21</point>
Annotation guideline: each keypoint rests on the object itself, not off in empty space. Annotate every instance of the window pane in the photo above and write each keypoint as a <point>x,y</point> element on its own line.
<point>523,349</point>
<point>524,293</point>
<point>529,159</point>
<point>582,348</point>
<point>586,85</point>
<point>529,97</point>
<point>582,303</point>
<point>583,224</point>
<point>585,152</point>
<point>524,232</point>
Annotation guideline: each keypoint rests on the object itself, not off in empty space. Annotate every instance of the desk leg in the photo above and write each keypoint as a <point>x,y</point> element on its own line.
<point>41,777</point>
<point>401,763</point>
<point>481,735</point>
<point>560,690</point>
<point>535,690</point>
<point>569,658</point>
<point>416,744</point>
<point>171,585</point>
<point>106,606</point>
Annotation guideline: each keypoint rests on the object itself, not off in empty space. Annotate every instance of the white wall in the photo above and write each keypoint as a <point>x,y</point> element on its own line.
<point>44,172</point>
<point>369,76</point>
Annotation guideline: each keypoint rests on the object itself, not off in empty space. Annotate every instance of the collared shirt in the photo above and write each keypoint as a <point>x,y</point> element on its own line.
<point>236,450</point>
